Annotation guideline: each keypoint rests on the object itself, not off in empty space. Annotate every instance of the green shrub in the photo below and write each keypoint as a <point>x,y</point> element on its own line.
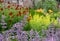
<point>46,4</point>
<point>50,4</point>
<point>27,27</point>
<point>41,22</point>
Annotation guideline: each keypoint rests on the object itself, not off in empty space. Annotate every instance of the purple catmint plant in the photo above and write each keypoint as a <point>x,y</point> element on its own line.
<point>51,34</point>
<point>51,30</point>
<point>19,35</point>
<point>50,37</point>
<point>13,37</point>
<point>24,36</point>
<point>44,39</point>
<point>34,36</point>
<point>31,35</point>
<point>37,37</point>
<point>8,34</point>
<point>17,26</point>
<point>1,37</point>
<point>58,33</point>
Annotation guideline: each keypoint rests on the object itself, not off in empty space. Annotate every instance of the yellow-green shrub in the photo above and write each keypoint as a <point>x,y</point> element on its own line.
<point>41,22</point>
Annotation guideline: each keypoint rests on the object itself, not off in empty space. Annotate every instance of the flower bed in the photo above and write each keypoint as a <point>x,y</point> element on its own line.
<point>24,24</point>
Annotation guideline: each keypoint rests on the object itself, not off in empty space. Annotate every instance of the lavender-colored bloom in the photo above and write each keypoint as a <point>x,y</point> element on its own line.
<point>13,37</point>
<point>1,37</point>
<point>17,26</point>
<point>31,32</point>
<point>45,39</point>
<point>48,33</point>
<point>19,34</point>
<point>31,35</point>
<point>24,36</point>
<point>58,34</point>
<point>6,33</point>
<point>34,36</point>
<point>25,17</point>
<point>37,37</point>
<point>4,26</point>
<point>52,39</point>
